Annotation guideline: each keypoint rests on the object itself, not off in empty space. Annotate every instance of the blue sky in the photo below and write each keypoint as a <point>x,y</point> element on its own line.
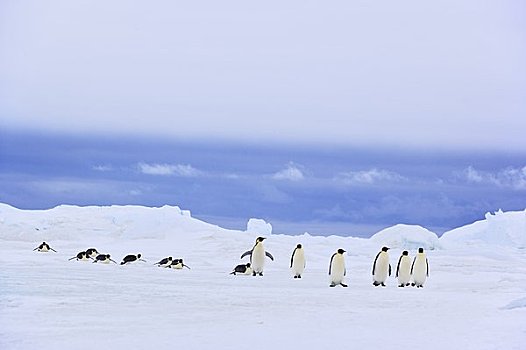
<point>330,118</point>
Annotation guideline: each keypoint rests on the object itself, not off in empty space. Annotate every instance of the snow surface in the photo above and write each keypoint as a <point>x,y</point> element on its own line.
<point>473,299</point>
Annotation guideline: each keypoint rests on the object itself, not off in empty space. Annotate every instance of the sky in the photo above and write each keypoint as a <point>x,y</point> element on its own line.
<point>342,117</point>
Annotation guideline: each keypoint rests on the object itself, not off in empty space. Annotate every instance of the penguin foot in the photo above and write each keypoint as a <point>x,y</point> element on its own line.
<point>343,285</point>
<point>383,284</point>
<point>401,285</point>
<point>254,273</point>
<point>261,273</point>
<point>376,284</point>
<point>332,285</point>
<point>407,284</point>
<point>412,284</point>
<point>295,276</point>
<point>299,276</point>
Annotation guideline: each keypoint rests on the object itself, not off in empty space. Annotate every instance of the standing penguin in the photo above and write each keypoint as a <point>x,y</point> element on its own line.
<point>104,258</point>
<point>297,261</point>
<point>420,269</point>
<point>381,267</point>
<point>44,247</point>
<point>403,269</point>
<point>257,257</point>
<point>166,262</point>
<point>81,256</point>
<point>243,269</point>
<point>337,269</point>
<point>131,258</point>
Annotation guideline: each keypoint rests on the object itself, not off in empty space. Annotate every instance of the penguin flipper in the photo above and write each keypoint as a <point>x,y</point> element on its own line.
<point>248,252</point>
<point>36,248</point>
<point>427,268</point>
<point>72,258</point>
<point>113,261</point>
<point>188,267</point>
<point>374,264</point>
<point>389,269</point>
<point>269,255</point>
<point>52,249</point>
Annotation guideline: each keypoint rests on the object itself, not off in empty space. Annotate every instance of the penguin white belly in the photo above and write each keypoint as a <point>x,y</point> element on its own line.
<point>404,270</point>
<point>419,271</point>
<point>381,269</point>
<point>257,258</point>
<point>337,269</point>
<point>298,264</point>
<point>43,249</point>
<point>248,271</point>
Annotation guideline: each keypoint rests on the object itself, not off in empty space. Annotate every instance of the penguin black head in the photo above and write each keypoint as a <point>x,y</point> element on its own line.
<point>384,249</point>
<point>247,265</point>
<point>169,258</point>
<point>341,251</point>
<point>107,256</point>
<point>420,250</point>
<point>260,239</point>
<point>298,246</point>
<point>405,252</point>
<point>138,256</point>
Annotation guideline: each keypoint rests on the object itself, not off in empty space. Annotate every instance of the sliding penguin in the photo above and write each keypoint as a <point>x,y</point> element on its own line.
<point>403,269</point>
<point>131,258</point>
<point>257,257</point>
<point>297,261</point>
<point>44,247</point>
<point>420,269</point>
<point>81,256</point>
<point>104,259</point>
<point>166,262</point>
<point>381,267</point>
<point>178,264</point>
<point>92,253</point>
<point>337,269</point>
<point>243,269</point>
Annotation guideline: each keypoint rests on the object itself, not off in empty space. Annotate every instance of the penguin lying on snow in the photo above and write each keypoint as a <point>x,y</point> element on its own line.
<point>178,264</point>
<point>131,258</point>
<point>337,269</point>
<point>166,262</point>
<point>92,253</point>
<point>243,269</point>
<point>104,258</point>
<point>44,247</point>
<point>81,256</point>
<point>257,256</point>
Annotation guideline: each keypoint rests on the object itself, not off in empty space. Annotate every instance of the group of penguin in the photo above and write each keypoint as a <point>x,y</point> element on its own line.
<point>93,254</point>
<point>409,272</point>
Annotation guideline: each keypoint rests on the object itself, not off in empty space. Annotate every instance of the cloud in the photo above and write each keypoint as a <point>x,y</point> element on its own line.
<point>509,177</point>
<point>369,177</point>
<point>183,170</point>
<point>292,173</point>
<point>103,167</point>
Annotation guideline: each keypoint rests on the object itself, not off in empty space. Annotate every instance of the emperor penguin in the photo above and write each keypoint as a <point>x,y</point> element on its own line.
<point>297,261</point>
<point>44,247</point>
<point>420,269</point>
<point>257,256</point>
<point>337,269</point>
<point>403,269</point>
<point>381,267</point>
<point>166,262</point>
<point>104,259</point>
<point>92,253</point>
<point>243,269</point>
<point>178,264</point>
<point>81,256</point>
<point>131,258</point>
